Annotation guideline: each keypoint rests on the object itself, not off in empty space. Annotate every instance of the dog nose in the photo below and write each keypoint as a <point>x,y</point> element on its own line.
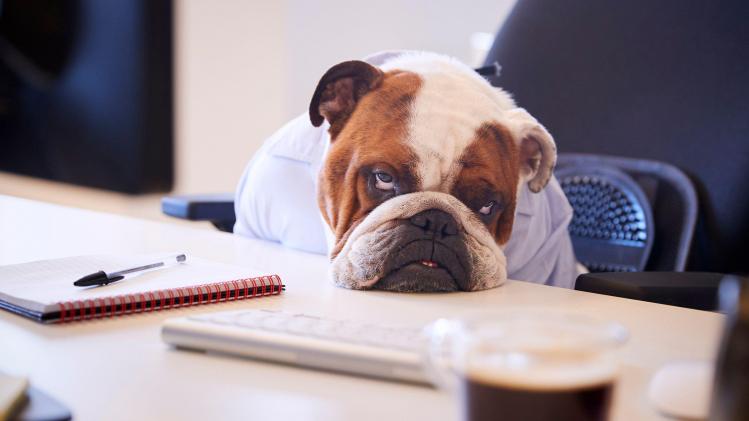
<point>436,221</point>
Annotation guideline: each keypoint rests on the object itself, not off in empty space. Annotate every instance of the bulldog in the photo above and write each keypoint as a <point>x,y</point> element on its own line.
<point>419,169</point>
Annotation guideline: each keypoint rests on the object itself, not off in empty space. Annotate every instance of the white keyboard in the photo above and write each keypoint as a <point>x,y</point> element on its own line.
<point>305,340</point>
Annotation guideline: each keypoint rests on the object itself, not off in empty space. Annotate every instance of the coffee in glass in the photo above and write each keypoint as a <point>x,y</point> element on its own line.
<point>527,365</point>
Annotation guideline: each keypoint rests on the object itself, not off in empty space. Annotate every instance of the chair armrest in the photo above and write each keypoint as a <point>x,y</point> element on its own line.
<point>216,208</point>
<point>697,290</point>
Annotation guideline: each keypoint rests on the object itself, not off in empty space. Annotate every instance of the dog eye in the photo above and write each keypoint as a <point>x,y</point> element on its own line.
<point>487,208</point>
<point>384,181</point>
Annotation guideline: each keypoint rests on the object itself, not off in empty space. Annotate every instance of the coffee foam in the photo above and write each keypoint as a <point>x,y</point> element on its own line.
<point>518,371</point>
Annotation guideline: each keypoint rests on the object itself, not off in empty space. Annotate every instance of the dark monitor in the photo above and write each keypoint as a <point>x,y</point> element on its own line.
<point>86,92</point>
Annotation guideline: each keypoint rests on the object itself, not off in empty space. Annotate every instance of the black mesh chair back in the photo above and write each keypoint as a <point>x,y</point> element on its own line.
<point>612,225</point>
<point>629,215</point>
<point>660,80</point>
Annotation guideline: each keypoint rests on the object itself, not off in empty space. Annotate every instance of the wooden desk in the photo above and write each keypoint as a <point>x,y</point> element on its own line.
<point>120,369</point>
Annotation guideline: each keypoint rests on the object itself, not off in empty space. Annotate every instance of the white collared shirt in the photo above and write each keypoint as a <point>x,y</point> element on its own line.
<point>276,201</point>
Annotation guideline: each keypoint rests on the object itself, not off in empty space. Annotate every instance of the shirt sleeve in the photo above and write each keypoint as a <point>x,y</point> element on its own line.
<point>540,249</point>
<point>275,199</point>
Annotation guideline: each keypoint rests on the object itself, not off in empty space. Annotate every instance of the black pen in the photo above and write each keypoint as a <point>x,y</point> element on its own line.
<point>104,278</point>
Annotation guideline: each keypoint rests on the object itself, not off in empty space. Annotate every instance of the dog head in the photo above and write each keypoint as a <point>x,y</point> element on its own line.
<point>422,174</point>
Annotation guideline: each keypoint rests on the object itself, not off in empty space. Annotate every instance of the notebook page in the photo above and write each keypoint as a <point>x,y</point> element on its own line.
<point>40,285</point>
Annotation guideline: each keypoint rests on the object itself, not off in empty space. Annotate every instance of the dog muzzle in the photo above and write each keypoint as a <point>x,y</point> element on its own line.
<point>423,241</point>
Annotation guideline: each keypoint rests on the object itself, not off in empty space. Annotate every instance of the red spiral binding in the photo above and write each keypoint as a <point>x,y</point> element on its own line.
<point>238,289</point>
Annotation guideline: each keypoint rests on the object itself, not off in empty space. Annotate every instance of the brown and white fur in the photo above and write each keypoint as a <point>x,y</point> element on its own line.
<point>450,147</point>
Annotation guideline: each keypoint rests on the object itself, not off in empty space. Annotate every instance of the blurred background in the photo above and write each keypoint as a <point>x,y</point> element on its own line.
<point>106,104</point>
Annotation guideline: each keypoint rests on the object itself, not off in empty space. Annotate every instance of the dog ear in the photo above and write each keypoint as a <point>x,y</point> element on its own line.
<point>538,152</point>
<point>339,90</point>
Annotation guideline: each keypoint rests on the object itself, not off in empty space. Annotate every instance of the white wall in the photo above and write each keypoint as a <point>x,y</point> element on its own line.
<point>229,61</point>
<point>243,68</point>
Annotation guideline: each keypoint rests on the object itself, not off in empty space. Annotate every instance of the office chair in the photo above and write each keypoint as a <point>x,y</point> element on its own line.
<point>663,81</point>
<point>630,214</point>
<point>215,208</point>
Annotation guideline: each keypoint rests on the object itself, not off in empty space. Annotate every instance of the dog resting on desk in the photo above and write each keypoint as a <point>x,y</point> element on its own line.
<point>427,178</point>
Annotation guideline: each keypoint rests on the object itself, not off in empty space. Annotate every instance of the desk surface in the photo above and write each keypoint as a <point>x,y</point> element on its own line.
<point>120,369</point>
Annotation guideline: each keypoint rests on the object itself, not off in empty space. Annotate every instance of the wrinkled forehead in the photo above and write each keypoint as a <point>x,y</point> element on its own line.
<point>428,115</point>
<point>449,115</point>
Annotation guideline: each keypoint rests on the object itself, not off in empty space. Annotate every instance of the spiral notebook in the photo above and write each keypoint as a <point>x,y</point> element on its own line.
<point>43,290</point>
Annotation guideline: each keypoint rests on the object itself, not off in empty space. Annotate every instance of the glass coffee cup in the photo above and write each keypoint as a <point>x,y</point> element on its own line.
<point>526,365</point>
